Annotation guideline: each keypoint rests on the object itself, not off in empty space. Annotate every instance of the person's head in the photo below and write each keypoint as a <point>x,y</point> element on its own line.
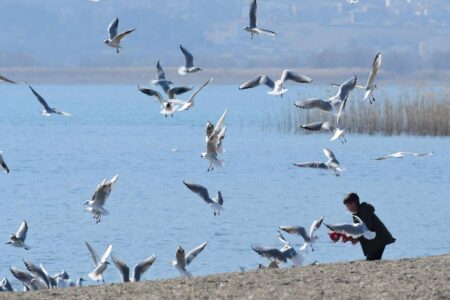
<point>351,201</point>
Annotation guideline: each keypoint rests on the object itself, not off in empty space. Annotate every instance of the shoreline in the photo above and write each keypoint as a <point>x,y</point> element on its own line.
<point>418,278</point>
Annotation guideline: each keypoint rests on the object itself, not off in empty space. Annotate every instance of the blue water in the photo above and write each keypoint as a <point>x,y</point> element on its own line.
<point>56,164</point>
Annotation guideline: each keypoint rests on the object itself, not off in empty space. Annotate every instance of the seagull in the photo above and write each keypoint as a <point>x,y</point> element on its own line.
<point>252,28</point>
<point>161,78</point>
<point>100,263</point>
<point>321,126</point>
<point>310,238</point>
<point>18,239</point>
<point>276,86</point>
<point>289,251</point>
<point>3,164</point>
<point>30,282</point>
<point>335,103</point>
<point>95,205</point>
<point>353,1</point>
<point>5,285</point>
<point>331,164</point>
<point>354,230</point>
<point>278,256</point>
<point>214,142</point>
<point>185,105</point>
<point>41,273</point>
<point>138,270</point>
<point>403,154</point>
<point>189,66</point>
<point>370,85</point>
<point>63,283</point>
<point>3,78</point>
<point>47,109</point>
<point>183,260</point>
<point>215,203</point>
<point>114,38</point>
<point>171,105</point>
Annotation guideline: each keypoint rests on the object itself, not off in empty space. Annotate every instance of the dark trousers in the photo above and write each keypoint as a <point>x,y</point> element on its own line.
<point>376,255</point>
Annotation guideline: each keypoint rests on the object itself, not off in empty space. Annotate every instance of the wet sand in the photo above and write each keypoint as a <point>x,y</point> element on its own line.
<point>418,278</point>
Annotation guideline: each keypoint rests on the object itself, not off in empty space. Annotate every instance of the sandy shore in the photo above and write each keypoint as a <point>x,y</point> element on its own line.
<point>419,278</point>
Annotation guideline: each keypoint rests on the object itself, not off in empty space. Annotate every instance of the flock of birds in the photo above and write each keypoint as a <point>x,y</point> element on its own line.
<point>37,278</point>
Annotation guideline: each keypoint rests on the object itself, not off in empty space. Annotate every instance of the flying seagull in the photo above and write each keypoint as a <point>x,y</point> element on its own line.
<point>189,65</point>
<point>331,164</point>
<point>169,106</point>
<point>185,105</point>
<point>322,126</point>
<point>335,103</point>
<point>403,154</point>
<point>97,202</point>
<point>253,28</point>
<point>138,270</point>
<point>115,38</point>
<point>370,85</point>
<point>309,237</point>
<point>100,263</point>
<point>214,142</point>
<point>161,78</point>
<point>276,86</point>
<point>215,203</point>
<point>3,78</point>
<point>18,239</point>
<point>354,230</point>
<point>3,164</point>
<point>182,260</point>
<point>47,109</point>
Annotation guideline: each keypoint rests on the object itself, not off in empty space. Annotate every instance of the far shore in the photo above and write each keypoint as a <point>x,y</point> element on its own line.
<point>417,278</point>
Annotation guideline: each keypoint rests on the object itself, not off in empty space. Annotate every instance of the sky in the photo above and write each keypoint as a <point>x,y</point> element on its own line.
<point>311,33</point>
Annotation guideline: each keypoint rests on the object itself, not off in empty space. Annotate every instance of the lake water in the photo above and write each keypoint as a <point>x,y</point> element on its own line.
<point>56,164</point>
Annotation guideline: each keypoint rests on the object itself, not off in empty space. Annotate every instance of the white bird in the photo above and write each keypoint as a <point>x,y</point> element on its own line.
<point>169,106</point>
<point>114,37</point>
<point>101,194</point>
<point>3,164</point>
<point>182,260</point>
<point>47,109</point>
<point>353,1</point>
<point>215,203</point>
<point>5,285</point>
<point>309,238</point>
<point>335,103</point>
<point>100,263</point>
<point>279,256</point>
<point>41,273</point>
<point>138,270</point>
<point>331,164</point>
<point>278,85</point>
<point>214,142</point>
<point>354,230</point>
<point>321,126</point>
<point>370,85</point>
<point>29,281</point>
<point>18,239</point>
<point>296,258</point>
<point>165,84</point>
<point>185,105</point>
<point>253,28</point>
<point>403,154</point>
<point>189,65</point>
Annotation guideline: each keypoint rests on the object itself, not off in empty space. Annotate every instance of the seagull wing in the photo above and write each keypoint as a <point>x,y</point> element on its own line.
<point>106,254</point>
<point>123,268</point>
<point>3,78</point>
<point>142,267</point>
<point>21,233</point>
<point>112,28</point>
<point>315,165</point>
<point>299,230</point>
<point>316,126</point>
<point>200,190</point>
<point>121,35</point>
<point>290,75</point>
<point>258,80</point>
<point>22,276</point>
<point>252,14</point>
<point>40,99</point>
<point>37,271</point>
<point>194,252</point>
<point>3,164</point>
<point>153,93</point>
<point>94,255</point>
<point>314,226</point>
<point>375,68</point>
<point>314,103</point>
<point>220,122</point>
<point>347,229</point>
<point>191,98</point>
<point>345,89</point>
<point>272,254</point>
<point>160,72</point>
<point>188,57</point>
<point>331,158</point>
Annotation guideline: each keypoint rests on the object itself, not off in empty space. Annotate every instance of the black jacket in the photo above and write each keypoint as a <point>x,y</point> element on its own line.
<point>366,213</point>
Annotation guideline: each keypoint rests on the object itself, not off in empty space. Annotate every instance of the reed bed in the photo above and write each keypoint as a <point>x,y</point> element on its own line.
<point>423,113</point>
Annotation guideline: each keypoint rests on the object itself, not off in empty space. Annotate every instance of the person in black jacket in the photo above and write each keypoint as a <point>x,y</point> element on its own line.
<point>372,249</point>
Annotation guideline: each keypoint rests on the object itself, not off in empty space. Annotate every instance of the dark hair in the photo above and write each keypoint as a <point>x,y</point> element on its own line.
<point>351,198</point>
